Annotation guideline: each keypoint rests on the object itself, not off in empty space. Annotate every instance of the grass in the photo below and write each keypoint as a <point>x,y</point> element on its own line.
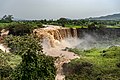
<point>75,26</point>
<point>104,65</point>
<point>8,62</point>
<point>113,26</point>
<point>4,25</point>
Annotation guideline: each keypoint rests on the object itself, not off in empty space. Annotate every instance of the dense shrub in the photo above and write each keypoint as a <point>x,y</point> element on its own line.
<point>76,51</point>
<point>93,66</point>
<point>77,70</point>
<point>111,52</point>
<point>91,50</point>
<point>19,44</point>
<point>92,26</point>
<point>19,29</point>
<point>39,69</point>
<point>34,64</point>
<point>102,26</point>
<point>5,68</point>
<point>5,72</point>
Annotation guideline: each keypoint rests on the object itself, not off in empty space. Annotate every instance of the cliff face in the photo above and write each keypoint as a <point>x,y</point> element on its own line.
<point>81,38</point>
<point>56,39</point>
<point>109,33</point>
<point>53,36</point>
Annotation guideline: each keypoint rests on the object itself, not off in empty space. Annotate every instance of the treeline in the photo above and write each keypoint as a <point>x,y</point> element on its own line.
<point>18,27</point>
<point>81,22</point>
<point>62,22</point>
<point>23,27</point>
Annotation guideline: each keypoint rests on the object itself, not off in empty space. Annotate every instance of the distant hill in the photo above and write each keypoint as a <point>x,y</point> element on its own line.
<point>108,17</point>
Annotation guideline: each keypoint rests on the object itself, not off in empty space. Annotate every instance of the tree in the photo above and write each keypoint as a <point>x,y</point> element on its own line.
<point>19,29</point>
<point>34,65</point>
<point>101,26</point>
<point>92,26</point>
<point>62,21</point>
<point>7,18</point>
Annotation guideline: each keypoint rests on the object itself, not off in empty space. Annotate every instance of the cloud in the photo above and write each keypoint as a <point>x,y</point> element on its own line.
<point>41,9</point>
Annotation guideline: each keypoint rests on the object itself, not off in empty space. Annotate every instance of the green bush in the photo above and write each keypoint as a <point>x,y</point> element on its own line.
<point>78,70</point>
<point>111,52</point>
<point>19,29</point>
<point>41,69</point>
<point>91,50</point>
<point>5,72</point>
<point>5,68</point>
<point>34,65</point>
<point>76,51</point>
<point>93,66</point>
<point>20,44</point>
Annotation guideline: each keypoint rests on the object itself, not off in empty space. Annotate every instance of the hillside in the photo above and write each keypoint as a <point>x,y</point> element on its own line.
<point>108,17</point>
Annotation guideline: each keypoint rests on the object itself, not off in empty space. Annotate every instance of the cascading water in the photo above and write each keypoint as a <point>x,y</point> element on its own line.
<point>59,37</point>
<point>98,38</point>
<point>55,38</point>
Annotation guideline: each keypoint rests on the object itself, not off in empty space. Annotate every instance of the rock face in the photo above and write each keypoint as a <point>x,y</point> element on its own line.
<point>3,34</point>
<point>56,38</point>
<point>4,48</point>
<point>100,33</point>
<point>55,34</point>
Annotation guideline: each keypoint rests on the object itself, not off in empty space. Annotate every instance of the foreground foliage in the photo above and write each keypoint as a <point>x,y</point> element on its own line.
<point>8,62</point>
<point>94,64</point>
<point>34,64</point>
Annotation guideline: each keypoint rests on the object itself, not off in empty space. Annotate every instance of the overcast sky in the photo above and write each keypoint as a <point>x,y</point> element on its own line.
<point>54,9</point>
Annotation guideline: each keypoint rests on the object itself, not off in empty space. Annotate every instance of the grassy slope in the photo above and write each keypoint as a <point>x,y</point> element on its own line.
<point>113,27</point>
<point>104,64</point>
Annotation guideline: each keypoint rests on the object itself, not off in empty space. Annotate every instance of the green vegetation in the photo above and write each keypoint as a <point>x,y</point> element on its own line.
<point>19,27</point>
<point>94,64</point>
<point>26,60</point>
<point>113,26</point>
<point>7,19</point>
<point>83,23</point>
<point>8,62</point>
<point>75,26</point>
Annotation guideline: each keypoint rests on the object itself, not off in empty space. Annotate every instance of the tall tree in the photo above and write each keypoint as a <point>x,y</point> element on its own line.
<point>34,65</point>
<point>7,18</point>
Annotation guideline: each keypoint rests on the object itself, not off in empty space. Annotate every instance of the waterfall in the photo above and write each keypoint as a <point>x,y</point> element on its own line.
<point>82,38</point>
<point>55,35</point>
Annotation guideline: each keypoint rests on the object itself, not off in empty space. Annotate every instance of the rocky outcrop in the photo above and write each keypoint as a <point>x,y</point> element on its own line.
<point>3,34</point>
